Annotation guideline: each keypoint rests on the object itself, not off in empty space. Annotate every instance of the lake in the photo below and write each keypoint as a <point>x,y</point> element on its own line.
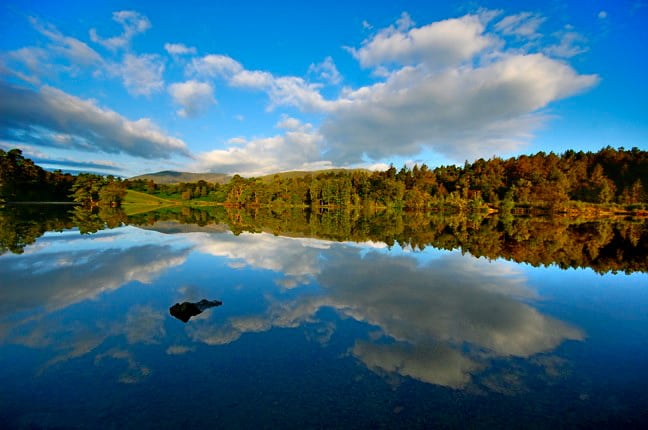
<point>325,321</point>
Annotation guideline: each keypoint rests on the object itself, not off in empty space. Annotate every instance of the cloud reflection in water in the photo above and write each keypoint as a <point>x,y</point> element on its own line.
<point>439,321</point>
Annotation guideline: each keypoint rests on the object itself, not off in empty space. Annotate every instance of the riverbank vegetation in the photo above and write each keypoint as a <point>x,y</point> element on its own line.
<point>605,182</point>
<point>579,183</point>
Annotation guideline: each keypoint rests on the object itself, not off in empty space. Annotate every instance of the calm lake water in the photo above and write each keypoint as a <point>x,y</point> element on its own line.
<point>311,333</point>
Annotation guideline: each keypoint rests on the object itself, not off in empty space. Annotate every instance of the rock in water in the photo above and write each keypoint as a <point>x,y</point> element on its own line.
<point>185,310</point>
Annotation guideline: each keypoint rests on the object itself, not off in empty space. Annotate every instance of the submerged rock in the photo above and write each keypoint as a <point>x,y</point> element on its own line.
<point>185,310</point>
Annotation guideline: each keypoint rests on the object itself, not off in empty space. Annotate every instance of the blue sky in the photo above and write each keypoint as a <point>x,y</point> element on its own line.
<point>126,88</point>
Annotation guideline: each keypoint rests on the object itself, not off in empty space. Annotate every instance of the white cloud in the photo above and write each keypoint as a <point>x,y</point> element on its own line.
<point>132,23</point>
<point>194,97</point>
<point>75,51</point>
<point>450,87</point>
<point>326,71</point>
<point>31,60</point>
<point>570,45</point>
<point>35,116</point>
<point>281,90</point>
<point>440,44</point>
<point>63,54</point>
<point>214,66</point>
<point>179,49</point>
<point>524,24</point>
<point>462,113</point>
<point>405,22</point>
<point>254,79</point>
<point>141,74</point>
<point>297,148</point>
<point>294,91</point>
<point>602,14</point>
<point>289,123</point>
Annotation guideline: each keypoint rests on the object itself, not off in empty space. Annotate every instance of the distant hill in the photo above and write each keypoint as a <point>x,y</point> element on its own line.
<point>173,177</point>
<point>300,173</point>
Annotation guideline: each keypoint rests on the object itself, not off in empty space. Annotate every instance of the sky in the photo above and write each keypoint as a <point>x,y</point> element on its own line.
<point>257,87</point>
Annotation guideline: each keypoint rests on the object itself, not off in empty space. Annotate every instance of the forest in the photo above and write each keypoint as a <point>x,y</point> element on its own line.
<point>539,183</point>
<point>546,182</point>
<point>448,207</point>
<point>21,180</point>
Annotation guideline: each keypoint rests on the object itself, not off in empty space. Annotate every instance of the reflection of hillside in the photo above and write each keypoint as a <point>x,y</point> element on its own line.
<point>603,245</point>
<point>21,225</point>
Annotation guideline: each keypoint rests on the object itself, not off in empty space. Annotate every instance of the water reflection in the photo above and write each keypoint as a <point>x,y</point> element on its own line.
<point>100,304</point>
<point>63,269</point>
<point>439,321</point>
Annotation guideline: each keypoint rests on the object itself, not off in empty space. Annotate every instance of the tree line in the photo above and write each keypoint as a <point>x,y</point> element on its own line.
<point>547,182</point>
<point>21,180</point>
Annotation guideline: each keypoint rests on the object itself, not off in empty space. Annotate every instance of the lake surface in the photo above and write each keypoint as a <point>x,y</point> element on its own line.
<point>311,333</point>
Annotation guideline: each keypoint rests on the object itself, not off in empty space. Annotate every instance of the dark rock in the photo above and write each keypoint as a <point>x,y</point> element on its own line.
<point>185,310</point>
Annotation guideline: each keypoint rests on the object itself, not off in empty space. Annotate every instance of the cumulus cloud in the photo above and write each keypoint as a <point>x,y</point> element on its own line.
<point>179,49</point>
<point>326,71</point>
<point>194,97</point>
<point>281,90</point>
<point>39,116</point>
<point>439,44</point>
<point>461,113</point>
<point>452,87</point>
<point>141,74</point>
<point>132,24</point>
<point>214,66</point>
<point>298,147</point>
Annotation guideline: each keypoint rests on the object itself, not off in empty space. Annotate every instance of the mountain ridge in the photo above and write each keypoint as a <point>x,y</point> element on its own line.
<point>176,177</point>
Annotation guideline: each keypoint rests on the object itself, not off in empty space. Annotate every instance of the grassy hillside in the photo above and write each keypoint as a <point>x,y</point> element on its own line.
<point>136,202</point>
<point>172,177</point>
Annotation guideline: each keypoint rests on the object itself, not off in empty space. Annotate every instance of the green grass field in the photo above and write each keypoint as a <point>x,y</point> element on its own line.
<point>137,202</point>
